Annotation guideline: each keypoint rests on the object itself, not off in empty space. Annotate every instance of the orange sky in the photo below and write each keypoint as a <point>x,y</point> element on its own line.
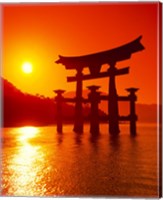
<point>38,33</point>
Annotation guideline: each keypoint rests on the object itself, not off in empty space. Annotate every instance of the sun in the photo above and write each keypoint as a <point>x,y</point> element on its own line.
<point>27,67</point>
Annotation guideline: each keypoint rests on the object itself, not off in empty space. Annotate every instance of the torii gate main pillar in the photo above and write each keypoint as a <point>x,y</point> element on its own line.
<point>78,125</point>
<point>113,102</point>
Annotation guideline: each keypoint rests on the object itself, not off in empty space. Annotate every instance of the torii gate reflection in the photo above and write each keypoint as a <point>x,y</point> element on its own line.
<point>94,62</point>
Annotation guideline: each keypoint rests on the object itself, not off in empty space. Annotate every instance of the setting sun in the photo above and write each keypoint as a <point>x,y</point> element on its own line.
<point>27,67</point>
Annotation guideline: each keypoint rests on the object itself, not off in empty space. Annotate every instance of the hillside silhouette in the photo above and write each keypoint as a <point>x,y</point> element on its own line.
<point>25,109</point>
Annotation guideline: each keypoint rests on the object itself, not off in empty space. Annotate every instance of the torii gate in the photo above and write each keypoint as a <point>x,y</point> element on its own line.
<point>94,63</point>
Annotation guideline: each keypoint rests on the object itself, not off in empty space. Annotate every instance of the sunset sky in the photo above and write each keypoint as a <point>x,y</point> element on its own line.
<point>38,33</point>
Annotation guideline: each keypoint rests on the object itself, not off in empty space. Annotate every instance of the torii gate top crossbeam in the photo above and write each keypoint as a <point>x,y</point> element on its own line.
<point>106,57</point>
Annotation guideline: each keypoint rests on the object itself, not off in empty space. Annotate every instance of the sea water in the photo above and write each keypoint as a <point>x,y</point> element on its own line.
<point>37,161</point>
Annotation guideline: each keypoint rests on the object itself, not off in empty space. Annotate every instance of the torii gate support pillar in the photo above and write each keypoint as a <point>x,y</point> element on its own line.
<point>133,116</point>
<point>94,99</point>
<point>59,100</point>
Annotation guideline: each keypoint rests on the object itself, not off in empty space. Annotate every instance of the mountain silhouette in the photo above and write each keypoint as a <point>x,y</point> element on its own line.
<point>25,109</point>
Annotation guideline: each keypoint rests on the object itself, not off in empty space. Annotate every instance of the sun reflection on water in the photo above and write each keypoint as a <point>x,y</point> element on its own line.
<point>27,132</point>
<point>31,166</point>
<point>27,164</point>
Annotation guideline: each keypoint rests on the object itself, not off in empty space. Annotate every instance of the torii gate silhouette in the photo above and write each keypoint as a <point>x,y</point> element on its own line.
<point>94,63</point>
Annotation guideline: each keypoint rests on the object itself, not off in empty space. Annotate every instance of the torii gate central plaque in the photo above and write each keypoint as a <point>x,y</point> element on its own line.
<point>94,63</point>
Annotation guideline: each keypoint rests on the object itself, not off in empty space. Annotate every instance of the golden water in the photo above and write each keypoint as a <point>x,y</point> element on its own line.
<point>36,161</point>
